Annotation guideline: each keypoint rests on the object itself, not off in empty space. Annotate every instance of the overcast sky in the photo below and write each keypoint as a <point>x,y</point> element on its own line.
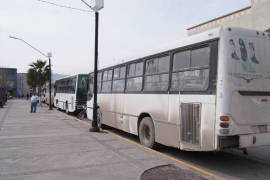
<point>127,28</point>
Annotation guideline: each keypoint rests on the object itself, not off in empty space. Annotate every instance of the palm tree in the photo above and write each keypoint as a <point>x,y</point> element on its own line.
<point>38,74</point>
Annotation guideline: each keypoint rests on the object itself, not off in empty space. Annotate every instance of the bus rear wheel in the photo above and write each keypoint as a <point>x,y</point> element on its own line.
<point>67,107</point>
<point>147,132</point>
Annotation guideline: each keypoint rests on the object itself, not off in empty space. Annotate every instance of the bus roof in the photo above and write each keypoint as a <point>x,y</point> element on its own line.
<point>201,37</point>
<point>205,36</point>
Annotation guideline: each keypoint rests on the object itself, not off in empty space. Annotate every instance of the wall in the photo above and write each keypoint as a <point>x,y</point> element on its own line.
<point>255,17</point>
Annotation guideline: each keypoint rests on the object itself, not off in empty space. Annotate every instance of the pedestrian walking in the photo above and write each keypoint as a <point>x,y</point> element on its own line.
<point>27,96</point>
<point>34,101</point>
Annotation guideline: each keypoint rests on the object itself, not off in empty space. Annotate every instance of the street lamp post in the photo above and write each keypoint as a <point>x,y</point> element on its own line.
<point>50,81</point>
<point>96,5</point>
<point>49,56</point>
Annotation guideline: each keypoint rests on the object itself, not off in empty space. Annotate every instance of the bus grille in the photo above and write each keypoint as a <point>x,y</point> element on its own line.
<point>190,123</point>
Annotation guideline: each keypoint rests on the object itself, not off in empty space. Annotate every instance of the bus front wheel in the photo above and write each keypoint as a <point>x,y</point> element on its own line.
<point>147,132</point>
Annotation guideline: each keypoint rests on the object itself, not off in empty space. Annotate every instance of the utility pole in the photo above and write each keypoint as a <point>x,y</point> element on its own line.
<point>96,6</point>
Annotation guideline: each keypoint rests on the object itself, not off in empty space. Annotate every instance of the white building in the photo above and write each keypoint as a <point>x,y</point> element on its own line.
<point>256,16</point>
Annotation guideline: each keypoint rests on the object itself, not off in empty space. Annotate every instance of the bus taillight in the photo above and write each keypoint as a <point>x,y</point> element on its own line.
<point>224,125</point>
<point>224,118</point>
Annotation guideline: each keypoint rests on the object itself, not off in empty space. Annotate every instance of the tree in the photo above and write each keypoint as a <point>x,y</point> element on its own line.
<point>38,74</point>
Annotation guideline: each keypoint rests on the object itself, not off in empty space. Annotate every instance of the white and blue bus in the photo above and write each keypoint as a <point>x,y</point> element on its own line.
<point>70,93</point>
<point>209,92</point>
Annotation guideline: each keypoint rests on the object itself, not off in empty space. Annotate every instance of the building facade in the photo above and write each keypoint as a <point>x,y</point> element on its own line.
<point>8,78</point>
<point>256,16</point>
<point>22,86</point>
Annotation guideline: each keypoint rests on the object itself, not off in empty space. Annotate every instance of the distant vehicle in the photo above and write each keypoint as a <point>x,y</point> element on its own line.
<point>208,93</point>
<point>71,93</point>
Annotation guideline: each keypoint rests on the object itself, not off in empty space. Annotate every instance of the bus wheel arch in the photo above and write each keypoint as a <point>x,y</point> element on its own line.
<point>146,130</point>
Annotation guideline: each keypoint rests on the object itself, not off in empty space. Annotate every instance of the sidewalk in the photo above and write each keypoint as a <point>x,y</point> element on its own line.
<point>52,145</point>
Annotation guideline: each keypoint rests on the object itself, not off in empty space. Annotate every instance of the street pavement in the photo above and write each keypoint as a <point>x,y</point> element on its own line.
<point>52,145</point>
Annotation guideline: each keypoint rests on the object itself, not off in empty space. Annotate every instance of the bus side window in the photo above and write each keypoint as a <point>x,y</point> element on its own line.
<point>119,79</point>
<point>181,60</point>
<point>99,78</point>
<point>107,81</point>
<point>191,70</point>
<point>157,74</point>
<point>134,77</point>
<point>200,57</point>
<point>123,72</point>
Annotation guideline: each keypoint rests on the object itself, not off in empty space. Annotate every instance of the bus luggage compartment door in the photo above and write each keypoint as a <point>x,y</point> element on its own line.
<point>190,125</point>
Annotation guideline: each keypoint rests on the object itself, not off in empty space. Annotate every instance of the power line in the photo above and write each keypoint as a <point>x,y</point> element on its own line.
<point>64,6</point>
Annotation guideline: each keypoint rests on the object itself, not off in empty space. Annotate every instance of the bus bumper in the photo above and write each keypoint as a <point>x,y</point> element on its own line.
<point>253,140</point>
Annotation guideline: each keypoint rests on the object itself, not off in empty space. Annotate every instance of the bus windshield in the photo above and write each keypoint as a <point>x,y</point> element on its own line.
<point>82,87</point>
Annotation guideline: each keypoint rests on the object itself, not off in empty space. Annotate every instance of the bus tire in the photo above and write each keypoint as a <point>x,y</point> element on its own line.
<point>67,108</point>
<point>147,132</point>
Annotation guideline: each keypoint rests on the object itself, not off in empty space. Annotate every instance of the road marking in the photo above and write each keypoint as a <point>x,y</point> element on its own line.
<point>157,152</point>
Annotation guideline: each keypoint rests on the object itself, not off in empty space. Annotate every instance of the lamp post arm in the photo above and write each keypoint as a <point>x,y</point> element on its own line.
<point>12,37</point>
<point>47,56</point>
<point>86,4</point>
<point>34,48</point>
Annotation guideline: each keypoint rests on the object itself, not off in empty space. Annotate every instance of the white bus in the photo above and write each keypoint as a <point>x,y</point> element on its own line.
<point>46,94</point>
<point>71,93</point>
<point>207,93</point>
